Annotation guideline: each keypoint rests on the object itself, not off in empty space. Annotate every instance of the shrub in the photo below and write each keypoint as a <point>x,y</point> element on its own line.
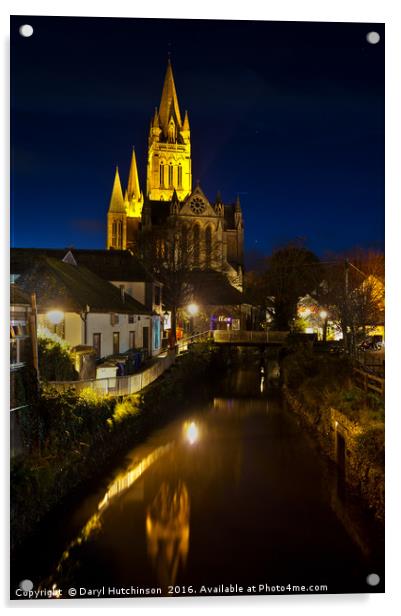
<point>55,362</point>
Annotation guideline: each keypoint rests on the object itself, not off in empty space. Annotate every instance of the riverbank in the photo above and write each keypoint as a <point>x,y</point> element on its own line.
<point>71,437</point>
<point>347,423</point>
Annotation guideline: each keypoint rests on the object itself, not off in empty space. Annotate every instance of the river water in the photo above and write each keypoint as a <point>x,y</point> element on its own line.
<point>234,492</point>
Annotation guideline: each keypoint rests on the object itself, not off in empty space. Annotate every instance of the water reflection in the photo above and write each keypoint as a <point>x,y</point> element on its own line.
<point>167,531</point>
<point>121,483</point>
<point>191,432</point>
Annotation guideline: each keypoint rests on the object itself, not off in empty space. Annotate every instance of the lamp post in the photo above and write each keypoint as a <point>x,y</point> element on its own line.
<point>193,310</point>
<point>324,315</point>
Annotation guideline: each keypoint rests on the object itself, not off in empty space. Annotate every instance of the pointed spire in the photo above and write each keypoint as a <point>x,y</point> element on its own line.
<point>117,200</point>
<point>237,204</point>
<point>185,124</point>
<point>169,101</point>
<point>156,122</point>
<point>174,198</point>
<point>218,197</point>
<point>133,189</point>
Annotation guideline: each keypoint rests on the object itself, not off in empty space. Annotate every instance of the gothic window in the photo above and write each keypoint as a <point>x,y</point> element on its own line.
<point>114,234</point>
<point>170,175</point>
<point>196,248</point>
<point>179,176</point>
<point>184,241</point>
<point>119,234</point>
<point>161,175</point>
<point>208,246</point>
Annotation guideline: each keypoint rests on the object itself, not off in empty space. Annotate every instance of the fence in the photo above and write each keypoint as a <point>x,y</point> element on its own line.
<point>120,385</point>
<point>369,381</point>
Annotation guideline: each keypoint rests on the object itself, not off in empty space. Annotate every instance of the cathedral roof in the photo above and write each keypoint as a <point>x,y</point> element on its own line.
<point>169,101</point>
<point>213,288</point>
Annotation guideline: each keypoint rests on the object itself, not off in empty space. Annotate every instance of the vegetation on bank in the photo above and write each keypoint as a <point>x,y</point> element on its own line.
<point>70,437</point>
<point>322,390</point>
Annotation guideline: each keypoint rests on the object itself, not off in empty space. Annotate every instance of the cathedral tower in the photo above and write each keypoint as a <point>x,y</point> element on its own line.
<point>169,148</point>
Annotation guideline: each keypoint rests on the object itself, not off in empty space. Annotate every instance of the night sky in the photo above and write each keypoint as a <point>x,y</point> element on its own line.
<point>288,115</point>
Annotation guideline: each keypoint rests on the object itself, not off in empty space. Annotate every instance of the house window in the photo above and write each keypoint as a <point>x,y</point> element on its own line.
<point>97,344</point>
<point>116,343</point>
<point>179,176</point>
<point>132,340</point>
<point>114,319</point>
<point>131,318</point>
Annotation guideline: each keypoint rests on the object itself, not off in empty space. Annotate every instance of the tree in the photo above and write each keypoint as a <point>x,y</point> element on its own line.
<point>353,293</point>
<point>173,253</point>
<point>292,271</point>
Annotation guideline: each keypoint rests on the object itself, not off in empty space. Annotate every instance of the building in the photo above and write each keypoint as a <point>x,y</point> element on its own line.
<point>126,273</point>
<point>23,373</point>
<point>79,307</point>
<point>214,229</point>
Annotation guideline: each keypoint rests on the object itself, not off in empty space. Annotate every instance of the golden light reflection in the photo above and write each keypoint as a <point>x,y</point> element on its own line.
<point>191,432</point>
<point>167,530</point>
<point>122,482</point>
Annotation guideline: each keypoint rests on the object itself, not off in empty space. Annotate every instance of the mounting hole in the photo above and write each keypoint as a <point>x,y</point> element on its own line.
<point>26,585</point>
<point>26,30</point>
<point>373,38</point>
<point>373,579</point>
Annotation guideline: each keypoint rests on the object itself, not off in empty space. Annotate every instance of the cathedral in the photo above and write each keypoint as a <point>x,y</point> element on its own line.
<point>215,229</point>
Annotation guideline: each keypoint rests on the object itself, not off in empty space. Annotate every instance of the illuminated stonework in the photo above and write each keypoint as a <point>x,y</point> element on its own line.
<point>215,229</point>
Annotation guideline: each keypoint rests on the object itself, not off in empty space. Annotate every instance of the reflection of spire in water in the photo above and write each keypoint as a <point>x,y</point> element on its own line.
<point>121,483</point>
<point>167,530</point>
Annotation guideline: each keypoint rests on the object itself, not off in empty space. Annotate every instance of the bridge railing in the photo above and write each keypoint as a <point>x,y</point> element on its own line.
<point>248,337</point>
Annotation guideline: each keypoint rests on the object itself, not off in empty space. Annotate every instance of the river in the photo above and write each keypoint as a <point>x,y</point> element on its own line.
<point>234,492</point>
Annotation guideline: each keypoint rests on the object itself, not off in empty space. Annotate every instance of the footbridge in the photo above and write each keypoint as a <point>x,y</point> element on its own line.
<point>236,338</point>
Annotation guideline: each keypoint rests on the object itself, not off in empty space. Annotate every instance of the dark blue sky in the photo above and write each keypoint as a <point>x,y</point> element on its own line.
<point>288,115</point>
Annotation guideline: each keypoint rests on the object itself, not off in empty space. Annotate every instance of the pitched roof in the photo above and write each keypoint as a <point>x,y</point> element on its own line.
<point>107,264</point>
<point>73,288</point>
<point>18,296</point>
<point>212,288</point>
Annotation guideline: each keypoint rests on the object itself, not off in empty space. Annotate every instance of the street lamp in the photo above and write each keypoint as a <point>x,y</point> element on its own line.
<point>324,316</point>
<point>193,309</point>
<point>55,316</point>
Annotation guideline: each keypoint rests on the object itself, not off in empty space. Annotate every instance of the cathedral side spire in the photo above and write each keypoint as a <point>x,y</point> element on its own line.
<point>117,217</point>
<point>117,199</point>
<point>169,107</point>
<point>133,189</point>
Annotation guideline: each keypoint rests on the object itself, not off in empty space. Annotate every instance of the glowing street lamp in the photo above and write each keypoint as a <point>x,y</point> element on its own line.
<point>193,309</point>
<point>55,316</point>
<point>323,314</point>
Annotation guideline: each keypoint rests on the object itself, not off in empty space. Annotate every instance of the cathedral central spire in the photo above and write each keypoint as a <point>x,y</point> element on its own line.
<point>169,107</point>
<point>169,147</point>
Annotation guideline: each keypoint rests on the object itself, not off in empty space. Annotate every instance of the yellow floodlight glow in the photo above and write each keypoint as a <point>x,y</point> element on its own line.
<point>193,309</point>
<point>55,316</point>
<point>191,432</point>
